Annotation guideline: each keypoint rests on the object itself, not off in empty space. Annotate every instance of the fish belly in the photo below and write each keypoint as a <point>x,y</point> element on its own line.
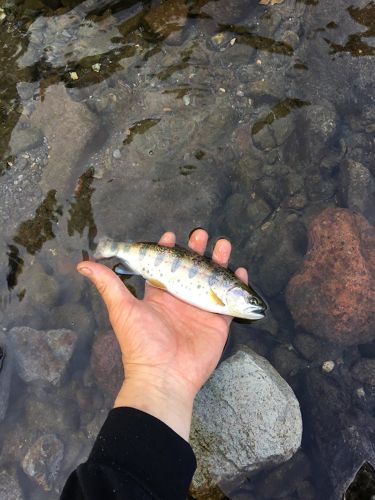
<point>179,277</point>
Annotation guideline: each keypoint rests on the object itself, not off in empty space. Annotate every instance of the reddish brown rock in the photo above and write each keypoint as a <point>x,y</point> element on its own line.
<point>333,296</point>
<point>106,363</point>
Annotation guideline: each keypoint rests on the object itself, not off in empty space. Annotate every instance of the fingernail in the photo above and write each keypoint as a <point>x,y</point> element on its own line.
<point>85,271</point>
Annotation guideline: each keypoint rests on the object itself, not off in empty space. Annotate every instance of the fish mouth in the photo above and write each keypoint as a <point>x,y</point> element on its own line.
<point>257,313</point>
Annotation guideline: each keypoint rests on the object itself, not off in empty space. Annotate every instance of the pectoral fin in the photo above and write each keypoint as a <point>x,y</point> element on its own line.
<point>215,298</point>
<point>157,284</point>
<point>124,270</point>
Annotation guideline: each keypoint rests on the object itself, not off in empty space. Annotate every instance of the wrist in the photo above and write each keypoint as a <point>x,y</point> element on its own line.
<point>165,398</point>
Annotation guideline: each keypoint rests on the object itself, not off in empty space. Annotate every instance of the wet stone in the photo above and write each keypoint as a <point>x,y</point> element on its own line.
<point>279,250</point>
<point>358,188</point>
<point>167,17</point>
<point>265,139</point>
<point>59,115</point>
<point>41,289</point>
<point>73,316</point>
<point>364,371</point>
<point>43,460</point>
<point>10,489</point>
<point>76,450</point>
<point>332,421</point>
<point>287,478</point>
<point>314,349</point>
<point>106,363</point>
<point>42,356</point>
<point>333,295</point>
<point>24,138</point>
<point>54,413</point>
<point>237,427</point>
<point>286,361</point>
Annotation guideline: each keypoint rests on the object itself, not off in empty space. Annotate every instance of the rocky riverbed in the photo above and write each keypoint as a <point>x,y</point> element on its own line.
<point>253,121</point>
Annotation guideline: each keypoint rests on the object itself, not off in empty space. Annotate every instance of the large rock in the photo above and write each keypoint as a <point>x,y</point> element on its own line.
<point>245,418</point>
<point>341,439</point>
<point>68,127</point>
<point>106,363</point>
<point>42,355</point>
<point>43,460</point>
<point>358,188</point>
<point>277,251</point>
<point>10,488</point>
<point>333,295</point>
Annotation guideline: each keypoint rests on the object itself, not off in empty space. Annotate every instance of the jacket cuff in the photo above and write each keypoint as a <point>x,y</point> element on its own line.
<point>143,445</point>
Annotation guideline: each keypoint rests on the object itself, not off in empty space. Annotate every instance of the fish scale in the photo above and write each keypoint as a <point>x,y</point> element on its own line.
<point>191,277</point>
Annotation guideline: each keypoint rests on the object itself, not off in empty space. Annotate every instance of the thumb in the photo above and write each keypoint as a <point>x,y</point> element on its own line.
<point>111,288</point>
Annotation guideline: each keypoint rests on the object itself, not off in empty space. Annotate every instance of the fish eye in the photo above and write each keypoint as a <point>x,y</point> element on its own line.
<point>253,301</point>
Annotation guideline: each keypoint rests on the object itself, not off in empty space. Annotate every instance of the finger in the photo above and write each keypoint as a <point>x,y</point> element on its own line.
<point>198,241</point>
<point>113,291</point>
<point>241,273</point>
<point>168,239</point>
<point>221,253</point>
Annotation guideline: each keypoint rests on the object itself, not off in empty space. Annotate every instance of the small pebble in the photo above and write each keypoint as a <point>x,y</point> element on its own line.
<point>328,366</point>
<point>73,75</point>
<point>221,89</point>
<point>361,392</point>
<point>2,15</point>
<point>186,99</point>
<point>218,38</point>
<point>96,67</point>
<point>116,154</point>
<point>240,93</point>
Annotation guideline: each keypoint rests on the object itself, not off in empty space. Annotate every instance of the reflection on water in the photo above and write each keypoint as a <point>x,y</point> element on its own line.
<point>355,43</point>
<point>81,215</point>
<point>33,233</point>
<point>243,119</point>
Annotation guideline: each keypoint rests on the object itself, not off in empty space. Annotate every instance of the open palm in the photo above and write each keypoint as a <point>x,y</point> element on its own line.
<point>164,341</point>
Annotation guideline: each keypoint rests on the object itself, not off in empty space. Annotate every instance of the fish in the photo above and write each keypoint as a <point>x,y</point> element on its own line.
<point>187,275</point>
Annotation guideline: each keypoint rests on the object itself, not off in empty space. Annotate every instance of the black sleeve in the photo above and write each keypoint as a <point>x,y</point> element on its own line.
<point>135,456</point>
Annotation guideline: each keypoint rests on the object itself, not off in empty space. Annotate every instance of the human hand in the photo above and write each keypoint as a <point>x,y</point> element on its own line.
<point>169,348</point>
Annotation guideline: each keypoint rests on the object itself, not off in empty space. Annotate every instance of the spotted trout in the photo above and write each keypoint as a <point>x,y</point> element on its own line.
<point>191,277</point>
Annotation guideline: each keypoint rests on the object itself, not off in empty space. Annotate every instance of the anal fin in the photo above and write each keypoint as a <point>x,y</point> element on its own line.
<point>217,300</point>
<point>157,284</point>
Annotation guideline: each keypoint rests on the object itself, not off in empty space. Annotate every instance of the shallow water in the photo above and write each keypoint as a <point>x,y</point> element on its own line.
<point>130,118</point>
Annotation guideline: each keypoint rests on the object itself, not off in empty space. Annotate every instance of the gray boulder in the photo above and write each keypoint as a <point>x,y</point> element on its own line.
<point>245,418</point>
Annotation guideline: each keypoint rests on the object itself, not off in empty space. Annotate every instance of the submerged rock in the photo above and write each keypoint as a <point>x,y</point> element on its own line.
<point>279,248</point>
<point>68,127</point>
<point>340,434</point>
<point>168,17</point>
<point>10,488</point>
<point>42,356</point>
<point>42,461</point>
<point>358,188</point>
<point>333,295</point>
<point>106,363</point>
<point>246,417</point>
